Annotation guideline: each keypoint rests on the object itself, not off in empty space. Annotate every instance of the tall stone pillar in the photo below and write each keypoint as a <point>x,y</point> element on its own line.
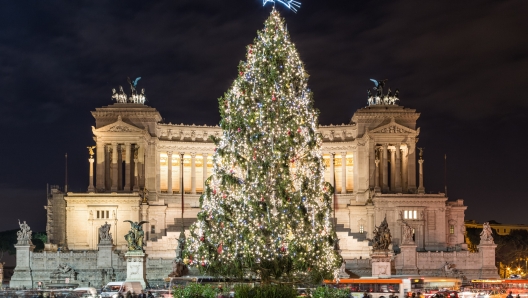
<point>204,164</point>
<point>193,173</point>
<point>405,169</point>
<point>136,177</point>
<point>332,169</point>
<point>114,167</point>
<point>181,171</point>
<point>169,172</point>
<point>411,166</point>
<point>91,187</point>
<point>397,170</point>
<point>127,167</point>
<point>385,168</point>
<point>100,167</point>
<point>421,188</point>
<point>343,172</point>
<point>377,177</point>
<point>108,167</point>
<point>392,169</point>
<point>120,149</point>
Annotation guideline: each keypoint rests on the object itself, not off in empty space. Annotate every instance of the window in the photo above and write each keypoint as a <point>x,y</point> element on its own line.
<point>153,229</point>
<point>361,229</point>
<point>451,229</point>
<point>410,214</point>
<point>98,214</point>
<point>107,214</point>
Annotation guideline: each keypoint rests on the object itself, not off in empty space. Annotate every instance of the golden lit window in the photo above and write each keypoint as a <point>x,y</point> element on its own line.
<point>410,214</point>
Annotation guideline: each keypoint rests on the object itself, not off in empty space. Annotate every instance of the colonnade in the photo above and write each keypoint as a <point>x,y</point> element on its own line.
<point>395,168</point>
<point>111,173</point>
<point>343,171</point>
<point>180,159</point>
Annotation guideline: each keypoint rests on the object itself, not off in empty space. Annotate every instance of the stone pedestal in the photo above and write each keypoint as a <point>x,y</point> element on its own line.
<point>488,268</point>
<point>136,267</point>
<point>406,262</point>
<point>104,255</point>
<point>381,263</point>
<point>22,276</point>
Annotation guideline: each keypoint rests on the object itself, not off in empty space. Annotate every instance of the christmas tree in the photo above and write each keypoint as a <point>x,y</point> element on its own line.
<point>266,210</point>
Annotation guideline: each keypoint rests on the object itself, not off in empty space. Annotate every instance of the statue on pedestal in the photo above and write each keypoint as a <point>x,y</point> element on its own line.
<point>24,235</point>
<point>135,236</point>
<point>105,237</point>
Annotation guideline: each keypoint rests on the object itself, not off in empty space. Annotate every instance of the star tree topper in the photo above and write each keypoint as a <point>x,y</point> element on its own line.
<point>291,4</point>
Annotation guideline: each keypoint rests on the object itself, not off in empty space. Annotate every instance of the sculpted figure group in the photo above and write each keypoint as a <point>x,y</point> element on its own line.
<point>135,236</point>
<point>382,237</point>
<point>104,233</point>
<point>379,98</point>
<point>135,97</point>
<point>487,233</point>
<point>25,232</point>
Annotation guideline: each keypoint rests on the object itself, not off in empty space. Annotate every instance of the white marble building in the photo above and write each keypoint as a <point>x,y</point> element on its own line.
<point>373,161</point>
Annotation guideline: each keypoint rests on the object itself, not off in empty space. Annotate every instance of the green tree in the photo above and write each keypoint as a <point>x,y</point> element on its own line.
<point>266,209</point>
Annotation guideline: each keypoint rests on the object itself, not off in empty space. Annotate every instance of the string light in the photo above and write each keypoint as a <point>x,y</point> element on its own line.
<point>265,210</point>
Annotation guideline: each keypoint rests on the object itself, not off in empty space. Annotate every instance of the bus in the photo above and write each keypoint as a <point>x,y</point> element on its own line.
<point>487,284</point>
<point>374,287</point>
<point>430,284</point>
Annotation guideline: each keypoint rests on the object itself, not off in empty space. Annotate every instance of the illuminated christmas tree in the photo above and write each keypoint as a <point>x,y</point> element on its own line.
<point>266,209</point>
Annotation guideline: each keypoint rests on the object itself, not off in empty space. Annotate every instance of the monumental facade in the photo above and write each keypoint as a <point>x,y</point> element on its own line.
<point>140,167</point>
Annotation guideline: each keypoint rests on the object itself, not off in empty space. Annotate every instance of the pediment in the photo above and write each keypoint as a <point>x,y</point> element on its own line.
<point>393,127</point>
<point>118,126</point>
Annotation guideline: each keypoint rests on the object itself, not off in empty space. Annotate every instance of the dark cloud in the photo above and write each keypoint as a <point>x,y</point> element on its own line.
<point>461,64</point>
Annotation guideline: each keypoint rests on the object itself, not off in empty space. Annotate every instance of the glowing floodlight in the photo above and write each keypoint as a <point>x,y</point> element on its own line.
<point>291,4</point>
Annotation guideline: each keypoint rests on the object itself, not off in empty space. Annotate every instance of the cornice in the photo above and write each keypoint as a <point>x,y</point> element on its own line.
<point>103,201</point>
<point>338,146</point>
<point>186,147</point>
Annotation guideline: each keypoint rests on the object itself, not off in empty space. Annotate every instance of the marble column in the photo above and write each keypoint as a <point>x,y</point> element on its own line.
<point>377,177</point>
<point>120,150</point>
<point>169,172</point>
<point>343,172</point>
<point>385,168</point>
<point>421,188</point>
<point>204,170</point>
<point>100,167</point>
<point>127,167</point>
<point>404,170</point>
<point>193,173</point>
<point>332,170</point>
<point>182,164</point>
<point>114,167</point>
<point>108,167</point>
<point>136,178</point>
<point>397,170</point>
<point>91,187</point>
<point>392,169</point>
<point>411,166</point>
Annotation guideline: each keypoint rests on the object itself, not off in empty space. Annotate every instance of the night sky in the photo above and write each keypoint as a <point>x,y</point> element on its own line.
<point>462,64</point>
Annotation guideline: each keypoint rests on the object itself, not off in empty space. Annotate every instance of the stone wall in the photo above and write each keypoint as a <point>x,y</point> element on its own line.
<point>86,270</point>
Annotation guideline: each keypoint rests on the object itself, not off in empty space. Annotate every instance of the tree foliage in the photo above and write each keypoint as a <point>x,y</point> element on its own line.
<point>266,209</point>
